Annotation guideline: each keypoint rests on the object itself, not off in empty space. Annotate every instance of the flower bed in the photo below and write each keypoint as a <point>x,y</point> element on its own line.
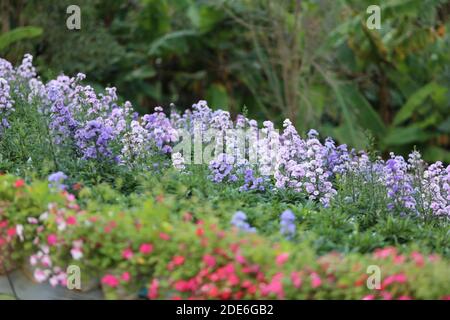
<point>185,257</point>
<point>277,216</point>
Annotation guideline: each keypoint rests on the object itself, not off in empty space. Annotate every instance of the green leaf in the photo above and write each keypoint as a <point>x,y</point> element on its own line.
<point>19,34</point>
<point>367,117</point>
<point>204,18</point>
<point>144,72</point>
<point>433,153</point>
<point>217,96</point>
<point>168,38</point>
<point>348,117</point>
<point>404,135</point>
<point>445,126</point>
<point>415,101</point>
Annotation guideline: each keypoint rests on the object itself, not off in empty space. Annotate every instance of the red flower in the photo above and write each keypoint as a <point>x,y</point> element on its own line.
<point>19,183</point>
<point>233,279</point>
<point>361,280</point>
<point>213,292</point>
<point>76,186</point>
<point>226,294</point>
<point>182,286</point>
<point>11,232</point>
<point>199,232</point>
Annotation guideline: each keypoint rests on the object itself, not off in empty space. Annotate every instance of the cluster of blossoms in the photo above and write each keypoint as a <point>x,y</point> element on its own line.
<point>56,180</point>
<point>6,104</point>
<point>239,221</point>
<point>302,166</point>
<point>398,183</point>
<point>287,224</point>
<point>87,126</point>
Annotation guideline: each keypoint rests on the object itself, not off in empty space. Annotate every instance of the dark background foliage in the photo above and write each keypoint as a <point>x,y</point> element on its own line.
<point>313,61</point>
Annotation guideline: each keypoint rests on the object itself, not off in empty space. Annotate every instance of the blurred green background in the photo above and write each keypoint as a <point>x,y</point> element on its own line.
<point>313,61</point>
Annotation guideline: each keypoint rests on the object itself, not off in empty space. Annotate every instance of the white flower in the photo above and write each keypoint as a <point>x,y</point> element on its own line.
<point>76,253</point>
<point>19,231</point>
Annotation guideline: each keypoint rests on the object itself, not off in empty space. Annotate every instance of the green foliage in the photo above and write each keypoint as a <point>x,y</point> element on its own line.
<point>18,34</point>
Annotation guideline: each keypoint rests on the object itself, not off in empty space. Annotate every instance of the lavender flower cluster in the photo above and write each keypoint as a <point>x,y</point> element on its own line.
<point>95,127</point>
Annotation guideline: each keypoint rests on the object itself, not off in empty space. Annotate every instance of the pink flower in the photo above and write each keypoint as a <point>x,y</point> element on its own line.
<point>40,275</point>
<point>240,259</point>
<point>125,276</point>
<point>127,254</point>
<point>110,281</point>
<point>71,220</point>
<point>369,297</point>
<point>386,295</point>
<point>315,280</point>
<point>404,298</point>
<point>233,279</point>
<point>385,252</point>
<point>153,290</point>
<point>418,258</point>
<point>164,236</point>
<point>399,259</point>
<point>275,286</point>
<point>11,232</point>
<point>146,248</point>
<point>19,183</point>
<point>282,258</point>
<point>209,260</point>
<point>52,239</point>
<point>296,279</point>
<point>400,278</point>
<point>178,260</point>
